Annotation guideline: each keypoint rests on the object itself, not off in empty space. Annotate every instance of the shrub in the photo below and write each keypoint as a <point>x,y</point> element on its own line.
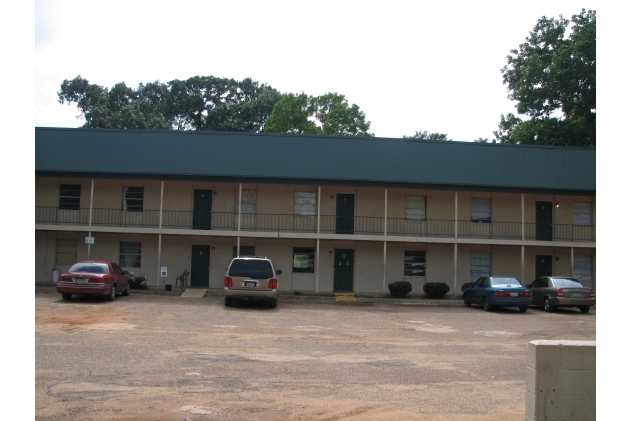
<point>400,289</point>
<point>465,286</point>
<point>138,282</point>
<point>435,289</point>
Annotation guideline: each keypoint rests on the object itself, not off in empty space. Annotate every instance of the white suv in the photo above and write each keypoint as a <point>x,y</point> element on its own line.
<point>251,278</point>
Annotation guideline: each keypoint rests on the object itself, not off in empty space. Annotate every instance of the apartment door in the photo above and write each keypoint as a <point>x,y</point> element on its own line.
<point>345,214</point>
<point>544,221</point>
<point>543,266</point>
<point>343,272</point>
<point>202,205</point>
<point>200,266</point>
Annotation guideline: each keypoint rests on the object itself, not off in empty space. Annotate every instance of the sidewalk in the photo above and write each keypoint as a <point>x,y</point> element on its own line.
<point>306,297</point>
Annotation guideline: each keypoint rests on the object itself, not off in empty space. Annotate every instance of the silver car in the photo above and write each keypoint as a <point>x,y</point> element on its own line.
<point>551,292</point>
<point>251,278</point>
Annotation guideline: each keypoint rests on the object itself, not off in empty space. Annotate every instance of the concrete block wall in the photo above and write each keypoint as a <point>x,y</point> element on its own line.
<point>561,381</point>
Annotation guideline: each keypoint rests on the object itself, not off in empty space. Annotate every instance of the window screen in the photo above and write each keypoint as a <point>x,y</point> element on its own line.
<point>305,203</point>
<point>480,265</point>
<point>480,210</point>
<point>415,207</point>
<point>582,213</point>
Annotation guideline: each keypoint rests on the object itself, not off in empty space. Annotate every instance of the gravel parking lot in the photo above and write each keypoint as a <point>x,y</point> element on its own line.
<point>147,357</point>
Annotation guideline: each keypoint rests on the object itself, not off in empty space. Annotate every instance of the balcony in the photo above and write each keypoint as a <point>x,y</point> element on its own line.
<point>329,224</point>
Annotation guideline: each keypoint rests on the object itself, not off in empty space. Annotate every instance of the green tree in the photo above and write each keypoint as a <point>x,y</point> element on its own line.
<point>198,103</point>
<point>327,114</point>
<point>553,79</point>
<point>425,135</point>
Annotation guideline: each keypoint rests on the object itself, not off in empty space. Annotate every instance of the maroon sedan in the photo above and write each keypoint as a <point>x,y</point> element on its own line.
<point>94,277</point>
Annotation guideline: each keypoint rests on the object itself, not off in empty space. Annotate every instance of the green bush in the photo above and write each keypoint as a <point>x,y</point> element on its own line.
<point>465,286</point>
<point>138,282</point>
<point>435,289</point>
<point>400,289</point>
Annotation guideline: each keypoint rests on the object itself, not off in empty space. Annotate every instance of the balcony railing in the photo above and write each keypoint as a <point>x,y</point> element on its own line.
<point>309,224</point>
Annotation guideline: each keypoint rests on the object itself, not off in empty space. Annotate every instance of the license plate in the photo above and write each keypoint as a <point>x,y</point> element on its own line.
<point>576,295</point>
<point>80,281</point>
<point>513,294</point>
<point>250,283</point>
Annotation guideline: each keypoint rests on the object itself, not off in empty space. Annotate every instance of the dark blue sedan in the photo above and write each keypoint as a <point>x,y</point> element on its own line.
<point>498,291</point>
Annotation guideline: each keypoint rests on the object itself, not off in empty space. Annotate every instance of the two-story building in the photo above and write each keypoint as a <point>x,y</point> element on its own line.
<point>336,214</point>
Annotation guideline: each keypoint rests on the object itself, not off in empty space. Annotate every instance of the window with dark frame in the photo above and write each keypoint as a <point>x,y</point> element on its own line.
<point>130,252</point>
<point>70,196</point>
<point>303,259</point>
<point>414,263</point>
<point>133,198</point>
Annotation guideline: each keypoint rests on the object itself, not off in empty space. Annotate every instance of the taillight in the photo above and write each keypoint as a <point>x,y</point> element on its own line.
<point>560,293</point>
<point>525,294</point>
<point>60,278</point>
<point>591,294</point>
<point>101,279</point>
<point>273,283</point>
<point>501,294</point>
<point>227,281</point>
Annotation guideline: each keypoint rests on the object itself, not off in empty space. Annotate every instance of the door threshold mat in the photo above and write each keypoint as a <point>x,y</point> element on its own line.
<point>194,293</point>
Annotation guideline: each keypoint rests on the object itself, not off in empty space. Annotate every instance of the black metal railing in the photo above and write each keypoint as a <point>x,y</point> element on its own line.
<point>309,224</point>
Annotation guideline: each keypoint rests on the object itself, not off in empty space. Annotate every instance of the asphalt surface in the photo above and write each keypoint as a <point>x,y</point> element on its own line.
<point>164,357</point>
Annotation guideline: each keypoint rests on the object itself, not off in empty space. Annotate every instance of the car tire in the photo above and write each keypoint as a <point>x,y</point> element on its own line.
<point>486,305</point>
<point>547,305</point>
<point>467,303</point>
<point>523,308</point>
<point>227,301</point>
<point>584,309</point>
<point>273,303</point>
<point>112,295</point>
<point>126,292</point>
<point>66,295</point>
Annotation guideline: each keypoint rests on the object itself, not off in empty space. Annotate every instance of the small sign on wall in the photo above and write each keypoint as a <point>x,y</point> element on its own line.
<point>89,240</point>
<point>163,271</point>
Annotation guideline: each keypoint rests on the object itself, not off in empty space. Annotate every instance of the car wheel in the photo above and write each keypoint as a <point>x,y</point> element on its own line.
<point>66,296</point>
<point>523,308</point>
<point>126,292</point>
<point>584,309</point>
<point>273,303</point>
<point>547,305</point>
<point>487,306</point>
<point>467,303</point>
<point>227,301</point>
<point>112,295</point>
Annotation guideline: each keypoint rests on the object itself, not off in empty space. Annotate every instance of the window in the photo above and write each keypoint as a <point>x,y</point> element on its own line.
<point>480,265</point>
<point>248,202</point>
<point>130,254</point>
<point>480,210</point>
<point>70,196</point>
<point>133,198</point>
<point>303,259</point>
<point>414,263</point>
<point>583,267</point>
<point>66,252</point>
<point>581,213</point>
<point>244,251</point>
<point>305,203</point>
<point>415,207</point>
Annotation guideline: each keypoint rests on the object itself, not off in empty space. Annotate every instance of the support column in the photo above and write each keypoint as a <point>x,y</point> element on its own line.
<point>523,220</point>
<point>523,263</point>
<point>317,265</point>
<point>456,214</point>
<point>385,233</point>
<point>160,235</point>
<point>239,222</point>
<point>90,217</point>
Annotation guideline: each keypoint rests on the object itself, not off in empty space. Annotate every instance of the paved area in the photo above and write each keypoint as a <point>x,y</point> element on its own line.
<point>161,357</point>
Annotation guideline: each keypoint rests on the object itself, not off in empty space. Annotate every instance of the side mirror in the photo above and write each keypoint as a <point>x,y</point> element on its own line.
<point>125,272</point>
<point>279,272</point>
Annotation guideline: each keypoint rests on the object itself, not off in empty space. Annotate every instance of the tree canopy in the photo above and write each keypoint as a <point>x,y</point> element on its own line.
<point>425,135</point>
<point>197,103</point>
<point>552,76</point>
<point>327,114</point>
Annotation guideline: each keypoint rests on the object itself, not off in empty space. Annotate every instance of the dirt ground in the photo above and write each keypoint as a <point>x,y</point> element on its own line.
<point>169,358</point>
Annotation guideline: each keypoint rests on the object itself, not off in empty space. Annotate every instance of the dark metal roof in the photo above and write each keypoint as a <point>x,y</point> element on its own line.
<point>305,159</point>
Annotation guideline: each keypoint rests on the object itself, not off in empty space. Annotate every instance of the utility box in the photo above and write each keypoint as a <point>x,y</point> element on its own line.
<point>55,275</point>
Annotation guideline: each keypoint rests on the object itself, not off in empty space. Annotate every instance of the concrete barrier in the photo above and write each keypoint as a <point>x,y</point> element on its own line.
<point>561,381</point>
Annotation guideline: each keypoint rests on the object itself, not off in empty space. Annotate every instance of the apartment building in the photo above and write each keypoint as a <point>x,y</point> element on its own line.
<point>336,214</point>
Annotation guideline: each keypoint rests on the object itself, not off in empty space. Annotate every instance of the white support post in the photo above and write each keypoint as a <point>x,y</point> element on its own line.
<point>317,265</point>
<point>455,267</point>
<point>523,220</point>
<point>90,217</point>
<point>523,263</point>
<point>385,233</point>
<point>239,221</point>
<point>456,213</point>
<point>160,234</point>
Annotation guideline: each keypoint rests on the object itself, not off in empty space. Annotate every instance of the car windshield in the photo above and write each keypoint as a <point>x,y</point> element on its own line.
<point>504,281</point>
<point>89,268</point>
<point>567,282</point>
<point>258,269</point>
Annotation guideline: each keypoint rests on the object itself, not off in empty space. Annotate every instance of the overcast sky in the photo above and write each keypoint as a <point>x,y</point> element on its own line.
<point>408,65</point>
